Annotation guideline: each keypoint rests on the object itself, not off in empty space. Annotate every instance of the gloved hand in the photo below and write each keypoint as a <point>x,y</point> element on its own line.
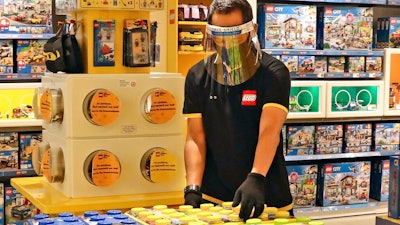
<point>193,198</point>
<point>250,194</point>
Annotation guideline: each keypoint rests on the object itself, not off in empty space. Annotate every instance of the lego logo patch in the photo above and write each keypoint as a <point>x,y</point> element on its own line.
<point>393,21</point>
<point>328,169</point>
<point>249,97</point>
<point>269,8</point>
<point>328,11</point>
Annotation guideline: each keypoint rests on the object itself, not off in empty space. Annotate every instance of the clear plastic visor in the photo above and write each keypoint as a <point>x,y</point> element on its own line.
<point>237,53</point>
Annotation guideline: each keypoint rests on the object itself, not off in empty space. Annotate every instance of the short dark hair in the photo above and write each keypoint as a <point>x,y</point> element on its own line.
<point>228,6</point>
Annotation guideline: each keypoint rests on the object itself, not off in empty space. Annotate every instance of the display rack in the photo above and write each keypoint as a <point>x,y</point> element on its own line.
<point>51,201</point>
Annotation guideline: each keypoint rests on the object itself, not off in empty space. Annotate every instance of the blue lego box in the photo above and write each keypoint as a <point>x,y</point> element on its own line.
<point>387,137</point>
<point>345,28</point>
<point>303,184</point>
<point>388,32</point>
<point>6,56</point>
<point>380,180</point>
<point>344,183</point>
<point>287,26</point>
<point>104,42</point>
<point>329,139</point>
<point>394,188</point>
<point>30,56</point>
<point>357,137</point>
<point>306,64</point>
<point>9,159</point>
<point>28,142</point>
<point>18,209</point>
<point>2,216</point>
<point>300,140</point>
<point>26,17</point>
<point>8,141</point>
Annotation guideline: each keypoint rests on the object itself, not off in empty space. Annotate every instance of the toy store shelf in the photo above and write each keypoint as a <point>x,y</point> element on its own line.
<point>373,207</point>
<point>6,174</point>
<point>362,75</point>
<point>192,23</point>
<point>26,36</point>
<point>338,156</point>
<point>323,52</point>
<point>380,2</point>
<point>393,2</point>
<point>51,201</point>
<point>21,123</point>
<point>20,76</point>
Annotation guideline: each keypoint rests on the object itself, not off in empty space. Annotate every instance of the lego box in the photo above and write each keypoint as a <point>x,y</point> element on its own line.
<point>30,56</point>
<point>329,139</point>
<point>18,209</point>
<point>6,56</point>
<point>388,32</point>
<point>303,184</point>
<point>344,183</point>
<point>394,188</point>
<point>387,137</point>
<point>8,141</point>
<point>28,142</point>
<point>380,180</point>
<point>345,28</point>
<point>287,26</point>
<point>300,140</point>
<point>358,137</point>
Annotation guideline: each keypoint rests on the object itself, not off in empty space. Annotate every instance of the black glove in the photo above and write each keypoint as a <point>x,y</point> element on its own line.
<point>250,194</point>
<point>193,198</point>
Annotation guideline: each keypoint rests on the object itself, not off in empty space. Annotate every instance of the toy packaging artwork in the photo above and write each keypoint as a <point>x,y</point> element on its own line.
<point>26,17</point>
<point>380,180</point>
<point>329,139</point>
<point>373,64</point>
<point>344,183</point>
<point>6,56</point>
<point>321,64</point>
<point>28,142</point>
<point>18,209</point>
<point>306,64</point>
<point>104,38</point>
<point>291,62</point>
<point>358,137</point>
<point>394,96</point>
<point>30,56</point>
<point>394,188</point>
<point>388,32</point>
<point>356,64</point>
<point>336,64</point>
<point>287,26</point>
<point>300,140</point>
<point>345,28</point>
<point>303,184</point>
<point>387,137</point>
<point>8,141</point>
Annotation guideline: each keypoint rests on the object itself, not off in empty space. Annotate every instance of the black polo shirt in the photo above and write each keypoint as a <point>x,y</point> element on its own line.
<point>231,117</point>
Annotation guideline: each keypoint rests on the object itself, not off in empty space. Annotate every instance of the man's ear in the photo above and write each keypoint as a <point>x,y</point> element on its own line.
<point>255,27</point>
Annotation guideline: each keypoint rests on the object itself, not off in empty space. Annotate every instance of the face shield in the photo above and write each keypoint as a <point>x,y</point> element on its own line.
<point>237,53</point>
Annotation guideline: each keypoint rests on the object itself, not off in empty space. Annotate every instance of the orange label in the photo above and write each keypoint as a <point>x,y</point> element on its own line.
<point>46,165</point>
<point>46,105</point>
<point>106,168</point>
<point>104,107</point>
<point>162,166</point>
<point>160,106</point>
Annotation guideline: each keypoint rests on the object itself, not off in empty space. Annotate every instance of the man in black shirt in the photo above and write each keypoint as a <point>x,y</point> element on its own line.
<point>236,102</point>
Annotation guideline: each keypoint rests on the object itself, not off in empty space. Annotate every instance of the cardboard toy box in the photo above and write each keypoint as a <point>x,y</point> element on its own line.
<point>344,183</point>
<point>345,28</point>
<point>329,139</point>
<point>18,209</point>
<point>6,56</point>
<point>380,180</point>
<point>30,56</point>
<point>8,141</point>
<point>357,137</point>
<point>300,140</point>
<point>394,188</point>
<point>303,184</point>
<point>287,26</point>
<point>388,32</point>
<point>28,142</point>
<point>386,137</point>
<point>26,17</point>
